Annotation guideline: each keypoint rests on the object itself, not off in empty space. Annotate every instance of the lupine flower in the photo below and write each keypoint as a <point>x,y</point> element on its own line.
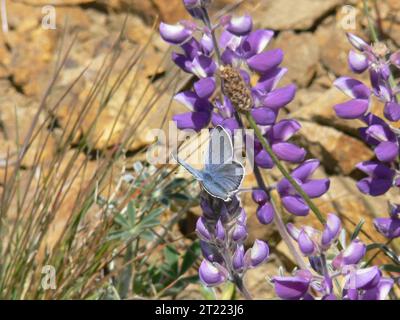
<point>293,288</point>
<point>222,230</point>
<point>359,283</point>
<point>379,134</point>
<point>389,227</point>
<point>313,188</point>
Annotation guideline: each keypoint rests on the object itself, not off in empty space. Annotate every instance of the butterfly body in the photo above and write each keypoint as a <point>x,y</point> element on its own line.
<point>221,176</point>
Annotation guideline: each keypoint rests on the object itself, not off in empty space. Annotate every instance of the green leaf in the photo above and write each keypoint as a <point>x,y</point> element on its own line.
<point>190,257</point>
<point>390,268</point>
<point>357,230</point>
<point>386,250</point>
<point>131,213</point>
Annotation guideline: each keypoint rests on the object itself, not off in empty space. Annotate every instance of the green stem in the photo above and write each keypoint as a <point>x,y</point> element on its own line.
<point>282,169</point>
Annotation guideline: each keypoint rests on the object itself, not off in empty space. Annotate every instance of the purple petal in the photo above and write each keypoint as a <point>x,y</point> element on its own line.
<point>392,111</point>
<point>374,187</point>
<point>387,151</point>
<point>269,80</point>
<point>367,278</point>
<point>293,231</point>
<point>380,292</point>
<point>260,196</point>
<point>358,62</point>
<point>316,188</point>
<point>231,57</point>
<point>354,253</point>
<point>258,254</point>
<point>210,274</point>
<point>352,109</point>
<point>388,227</point>
<point>266,61</point>
<point>205,87</point>
<point>238,258</point>
<point>353,88</point>
<point>291,288</point>
<point>174,34</point>
<point>357,42</point>
<point>202,230</point>
<point>256,42</point>
<point>289,152</point>
<point>306,245</point>
<point>285,129</point>
<point>305,170</point>
<point>203,66</point>
<point>265,213</point>
<point>376,169</point>
<point>280,97</point>
<point>331,231</point>
<point>240,26</point>
<point>295,205</point>
<point>210,252</point>
<point>181,61</point>
<point>264,116</point>
<point>263,160</point>
<point>395,59</point>
<point>220,231</point>
<point>192,120</point>
<point>239,233</point>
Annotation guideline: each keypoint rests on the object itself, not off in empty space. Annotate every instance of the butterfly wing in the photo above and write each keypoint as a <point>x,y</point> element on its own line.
<point>195,173</point>
<point>222,181</point>
<point>220,148</point>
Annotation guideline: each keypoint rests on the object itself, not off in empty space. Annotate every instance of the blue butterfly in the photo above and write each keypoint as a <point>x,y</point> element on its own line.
<point>221,176</point>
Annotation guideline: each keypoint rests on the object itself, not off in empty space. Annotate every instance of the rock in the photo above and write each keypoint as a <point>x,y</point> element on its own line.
<point>292,14</point>
<point>321,111</point>
<point>301,56</point>
<point>336,150</point>
<point>334,48</point>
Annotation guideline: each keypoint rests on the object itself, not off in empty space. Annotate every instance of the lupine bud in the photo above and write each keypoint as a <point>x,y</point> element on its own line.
<point>331,231</point>
<point>358,62</point>
<point>240,26</point>
<point>202,230</point>
<point>265,213</point>
<point>259,196</point>
<point>306,244</point>
<point>212,274</point>
<point>239,233</point>
<point>210,252</point>
<point>258,254</point>
<point>220,231</point>
<point>354,253</point>
<point>238,259</point>
<point>175,34</point>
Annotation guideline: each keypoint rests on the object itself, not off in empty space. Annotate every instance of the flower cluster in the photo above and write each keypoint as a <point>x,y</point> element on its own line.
<point>358,281</point>
<point>378,133</point>
<point>383,172</point>
<point>222,231</point>
<point>250,75</point>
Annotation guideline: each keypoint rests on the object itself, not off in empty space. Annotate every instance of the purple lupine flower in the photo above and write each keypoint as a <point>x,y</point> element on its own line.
<point>314,188</point>
<point>212,274</point>
<point>222,230</point>
<point>293,288</point>
<point>352,255</point>
<point>389,227</point>
<point>380,178</point>
<point>377,133</point>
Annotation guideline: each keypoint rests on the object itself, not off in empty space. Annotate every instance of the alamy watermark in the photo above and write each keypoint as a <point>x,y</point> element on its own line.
<point>48,22</point>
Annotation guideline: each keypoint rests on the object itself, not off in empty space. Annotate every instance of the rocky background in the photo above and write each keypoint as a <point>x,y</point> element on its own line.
<point>309,31</point>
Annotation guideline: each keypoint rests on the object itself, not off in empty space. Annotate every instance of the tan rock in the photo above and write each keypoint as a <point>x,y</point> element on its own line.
<point>336,150</point>
<point>334,48</point>
<point>292,14</point>
<point>301,56</point>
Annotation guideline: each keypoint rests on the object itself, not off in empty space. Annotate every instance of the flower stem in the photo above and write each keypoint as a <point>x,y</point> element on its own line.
<point>282,169</point>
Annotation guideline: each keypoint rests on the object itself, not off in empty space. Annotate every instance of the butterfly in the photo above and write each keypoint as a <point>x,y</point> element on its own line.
<point>221,176</point>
